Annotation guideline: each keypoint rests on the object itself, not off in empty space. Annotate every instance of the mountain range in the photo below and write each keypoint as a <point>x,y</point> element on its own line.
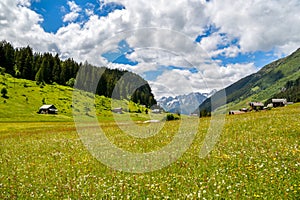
<point>183,104</point>
<point>267,83</point>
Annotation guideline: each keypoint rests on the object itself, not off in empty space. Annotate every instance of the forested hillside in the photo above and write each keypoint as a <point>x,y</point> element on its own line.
<point>291,92</point>
<point>47,68</point>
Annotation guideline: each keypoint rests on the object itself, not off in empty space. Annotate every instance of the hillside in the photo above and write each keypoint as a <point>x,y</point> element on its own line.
<point>291,92</point>
<point>262,85</point>
<point>49,69</point>
<point>24,97</point>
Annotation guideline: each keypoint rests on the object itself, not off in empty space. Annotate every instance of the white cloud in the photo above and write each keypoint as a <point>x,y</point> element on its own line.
<point>163,33</point>
<point>176,82</point>
<point>73,6</point>
<point>74,14</point>
<point>70,17</point>
<point>24,2</point>
<point>21,26</point>
<point>259,25</point>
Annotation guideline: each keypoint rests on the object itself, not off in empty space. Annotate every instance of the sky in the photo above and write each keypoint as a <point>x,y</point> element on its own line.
<point>178,46</point>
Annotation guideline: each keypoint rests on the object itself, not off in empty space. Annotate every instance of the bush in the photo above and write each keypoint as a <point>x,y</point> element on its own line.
<point>4,92</point>
<point>71,82</point>
<point>171,117</point>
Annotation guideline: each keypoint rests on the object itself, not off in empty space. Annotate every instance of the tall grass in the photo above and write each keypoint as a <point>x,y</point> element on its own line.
<point>257,156</point>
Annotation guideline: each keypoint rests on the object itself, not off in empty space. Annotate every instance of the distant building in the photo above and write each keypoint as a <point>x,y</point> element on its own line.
<point>236,112</point>
<point>244,110</point>
<point>48,109</point>
<point>256,105</point>
<point>156,111</point>
<point>118,110</point>
<point>279,102</point>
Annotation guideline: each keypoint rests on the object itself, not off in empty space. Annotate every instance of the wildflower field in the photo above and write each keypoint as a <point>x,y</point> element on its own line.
<point>257,156</point>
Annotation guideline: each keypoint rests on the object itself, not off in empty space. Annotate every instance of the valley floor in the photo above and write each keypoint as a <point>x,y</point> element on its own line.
<point>257,156</point>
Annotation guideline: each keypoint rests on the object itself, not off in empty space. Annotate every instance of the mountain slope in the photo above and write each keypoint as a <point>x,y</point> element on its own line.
<point>24,97</point>
<point>184,104</point>
<point>262,85</point>
<point>291,92</point>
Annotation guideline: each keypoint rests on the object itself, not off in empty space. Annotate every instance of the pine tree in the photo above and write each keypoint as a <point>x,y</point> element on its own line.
<point>56,69</point>
<point>39,77</point>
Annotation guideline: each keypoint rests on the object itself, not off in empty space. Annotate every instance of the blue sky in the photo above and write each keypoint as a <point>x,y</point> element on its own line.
<point>53,11</point>
<point>199,45</point>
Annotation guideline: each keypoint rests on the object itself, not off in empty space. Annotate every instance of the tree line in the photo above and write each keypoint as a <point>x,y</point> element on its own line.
<point>47,68</point>
<point>291,92</point>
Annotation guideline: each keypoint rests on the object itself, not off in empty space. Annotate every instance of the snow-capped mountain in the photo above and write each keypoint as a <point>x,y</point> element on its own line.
<point>184,104</point>
<point>210,93</point>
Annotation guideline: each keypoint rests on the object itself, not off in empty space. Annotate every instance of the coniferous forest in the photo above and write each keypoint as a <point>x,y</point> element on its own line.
<point>47,68</point>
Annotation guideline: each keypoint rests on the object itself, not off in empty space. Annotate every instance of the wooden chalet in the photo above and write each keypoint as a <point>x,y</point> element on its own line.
<point>117,110</point>
<point>156,111</point>
<point>236,112</point>
<point>256,105</point>
<point>48,109</point>
<point>279,102</point>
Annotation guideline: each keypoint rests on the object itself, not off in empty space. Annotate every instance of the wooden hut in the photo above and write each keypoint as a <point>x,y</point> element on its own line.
<point>279,102</point>
<point>117,110</point>
<point>236,112</point>
<point>156,111</point>
<point>256,105</point>
<point>48,109</point>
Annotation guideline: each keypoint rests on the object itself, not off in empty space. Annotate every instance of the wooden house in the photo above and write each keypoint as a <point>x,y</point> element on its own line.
<point>156,111</point>
<point>236,112</point>
<point>48,109</point>
<point>117,110</point>
<point>279,102</point>
<point>256,105</point>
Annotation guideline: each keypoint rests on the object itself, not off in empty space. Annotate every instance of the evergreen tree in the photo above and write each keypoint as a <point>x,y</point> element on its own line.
<point>39,77</point>
<point>56,69</point>
<point>28,64</point>
<point>7,56</point>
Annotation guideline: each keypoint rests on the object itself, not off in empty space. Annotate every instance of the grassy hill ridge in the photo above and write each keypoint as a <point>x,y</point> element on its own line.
<point>24,98</point>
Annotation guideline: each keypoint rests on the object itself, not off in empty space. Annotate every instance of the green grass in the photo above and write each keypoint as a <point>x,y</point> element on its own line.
<point>25,98</point>
<point>257,156</point>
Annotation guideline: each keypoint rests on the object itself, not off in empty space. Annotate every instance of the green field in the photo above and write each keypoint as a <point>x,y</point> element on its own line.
<point>257,156</point>
<point>24,98</point>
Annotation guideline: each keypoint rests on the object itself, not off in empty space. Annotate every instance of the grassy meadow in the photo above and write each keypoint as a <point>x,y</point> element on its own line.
<point>258,155</point>
<point>24,98</point>
<point>42,157</point>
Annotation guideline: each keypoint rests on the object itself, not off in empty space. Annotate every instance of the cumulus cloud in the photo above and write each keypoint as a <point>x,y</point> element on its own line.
<point>184,81</point>
<point>162,33</point>
<point>258,25</point>
<point>24,3</point>
<point>74,14</point>
<point>21,26</point>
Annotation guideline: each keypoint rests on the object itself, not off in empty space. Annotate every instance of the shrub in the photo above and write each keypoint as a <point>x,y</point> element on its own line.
<point>171,117</point>
<point>4,92</point>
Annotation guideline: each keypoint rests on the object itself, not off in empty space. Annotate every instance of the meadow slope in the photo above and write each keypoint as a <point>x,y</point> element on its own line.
<point>25,97</point>
<point>257,156</point>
